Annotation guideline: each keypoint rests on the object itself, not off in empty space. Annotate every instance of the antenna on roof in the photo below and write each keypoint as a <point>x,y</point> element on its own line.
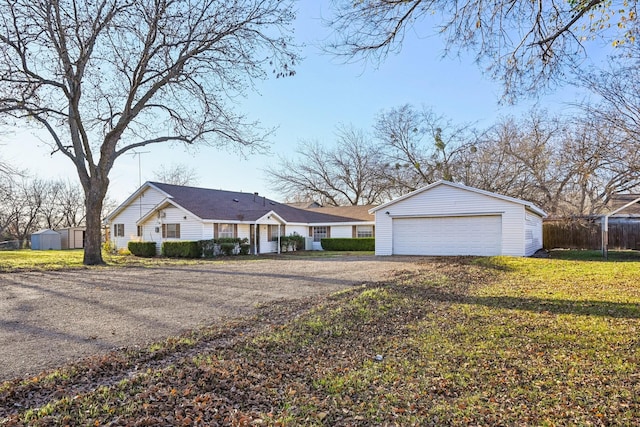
<point>135,153</point>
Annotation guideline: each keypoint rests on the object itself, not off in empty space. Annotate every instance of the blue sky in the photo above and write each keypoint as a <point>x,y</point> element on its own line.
<point>323,93</point>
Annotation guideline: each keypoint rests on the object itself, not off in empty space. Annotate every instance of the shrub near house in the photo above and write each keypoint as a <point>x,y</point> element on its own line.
<point>142,249</point>
<point>205,248</point>
<point>357,244</point>
<point>187,249</point>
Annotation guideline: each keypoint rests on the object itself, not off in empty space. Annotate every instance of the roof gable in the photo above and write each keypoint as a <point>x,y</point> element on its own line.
<point>525,203</point>
<point>141,190</point>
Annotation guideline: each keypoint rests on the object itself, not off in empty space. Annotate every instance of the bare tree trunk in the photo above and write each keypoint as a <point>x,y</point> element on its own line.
<point>93,235</point>
<point>170,62</point>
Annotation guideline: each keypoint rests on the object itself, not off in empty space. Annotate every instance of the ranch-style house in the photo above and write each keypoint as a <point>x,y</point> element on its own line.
<point>158,212</point>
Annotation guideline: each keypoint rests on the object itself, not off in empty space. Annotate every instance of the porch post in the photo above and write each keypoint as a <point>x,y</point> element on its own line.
<point>605,237</point>
<point>255,238</point>
<point>278,238</point>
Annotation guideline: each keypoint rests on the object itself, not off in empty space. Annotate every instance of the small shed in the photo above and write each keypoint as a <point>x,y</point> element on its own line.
<point>446,218</point>
<point>45,239</point>
<point>72,237</point>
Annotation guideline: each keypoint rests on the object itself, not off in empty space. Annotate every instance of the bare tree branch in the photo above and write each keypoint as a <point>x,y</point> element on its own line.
<point>106,77</point>
<point>527,45</point>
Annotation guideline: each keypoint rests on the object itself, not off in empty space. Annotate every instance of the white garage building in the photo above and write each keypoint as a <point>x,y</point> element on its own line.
<point>446,218</point>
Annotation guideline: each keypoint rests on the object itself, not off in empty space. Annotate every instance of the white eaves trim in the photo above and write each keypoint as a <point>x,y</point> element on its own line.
<point>446,215</point>
<point>264,219</point>
<point>528,205</point>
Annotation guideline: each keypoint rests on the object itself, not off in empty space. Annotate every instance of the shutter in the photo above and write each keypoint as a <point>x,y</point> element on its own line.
<point>328,232</point>
<point>164,231</point>
<point>310,231</point>
<point>235,230</point>
<point>354,233</point>
<point>177,231</point>
<point>215,231</point>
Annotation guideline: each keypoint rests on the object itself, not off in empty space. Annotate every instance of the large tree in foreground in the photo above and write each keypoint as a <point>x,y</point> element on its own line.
<point>108,76</point>
<point>526,44</point>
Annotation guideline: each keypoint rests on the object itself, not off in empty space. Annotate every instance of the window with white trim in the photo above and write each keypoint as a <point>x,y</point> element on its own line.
<point>171,231</point>
<point>118,230</point>
<point>319,232</point>
<point>364,231</point>
<point>273,232</point>
<point>226,231</point>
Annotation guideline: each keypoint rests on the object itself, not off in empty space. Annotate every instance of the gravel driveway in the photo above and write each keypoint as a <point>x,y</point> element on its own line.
<point>50,318</point>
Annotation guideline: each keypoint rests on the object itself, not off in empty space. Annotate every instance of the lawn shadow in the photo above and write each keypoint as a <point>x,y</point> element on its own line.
<point>595,255</point>
<point>561,306</point>
<point>542,305</point>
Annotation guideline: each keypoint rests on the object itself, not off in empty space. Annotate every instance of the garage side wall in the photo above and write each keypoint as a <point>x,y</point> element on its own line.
<point>384,233</point>
<point>533,233</point>
<point>444,200</point>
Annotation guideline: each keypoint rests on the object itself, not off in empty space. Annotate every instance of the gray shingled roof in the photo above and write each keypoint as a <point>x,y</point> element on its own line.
<point>360,212</point>
<point>234,206</point>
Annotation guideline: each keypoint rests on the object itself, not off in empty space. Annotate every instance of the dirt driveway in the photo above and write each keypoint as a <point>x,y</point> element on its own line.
<point>49,318</point>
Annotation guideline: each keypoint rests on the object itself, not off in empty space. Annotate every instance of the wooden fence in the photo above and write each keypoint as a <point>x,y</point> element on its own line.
<point>586,233</point>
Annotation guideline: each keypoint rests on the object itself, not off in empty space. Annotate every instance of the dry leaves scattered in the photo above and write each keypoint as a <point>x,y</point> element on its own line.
<point>427,348</point>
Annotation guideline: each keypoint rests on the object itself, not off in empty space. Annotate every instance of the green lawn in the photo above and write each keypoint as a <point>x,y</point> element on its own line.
<point>22,260</point>
<point>486,341</point>
<point>45,260</point>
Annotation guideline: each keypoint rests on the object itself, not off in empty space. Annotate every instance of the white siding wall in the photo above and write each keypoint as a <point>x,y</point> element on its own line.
<point>533,233</point>
<point>302,230</point>
<point>190,228</point>
<point>151,231</point>
<point>384,233</point>
<point>446,200</point>
<point>130,215</point>
<point>341,231</point>
<point>207,231</point>
<point>244,231</point>
<point>268,247</point>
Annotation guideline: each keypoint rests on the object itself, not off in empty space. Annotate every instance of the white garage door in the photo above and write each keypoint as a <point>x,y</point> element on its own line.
<point>462,235</point>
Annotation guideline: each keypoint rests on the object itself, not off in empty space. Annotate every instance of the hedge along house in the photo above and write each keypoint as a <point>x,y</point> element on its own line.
<point>159,212</point>
<point>446,218</point>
